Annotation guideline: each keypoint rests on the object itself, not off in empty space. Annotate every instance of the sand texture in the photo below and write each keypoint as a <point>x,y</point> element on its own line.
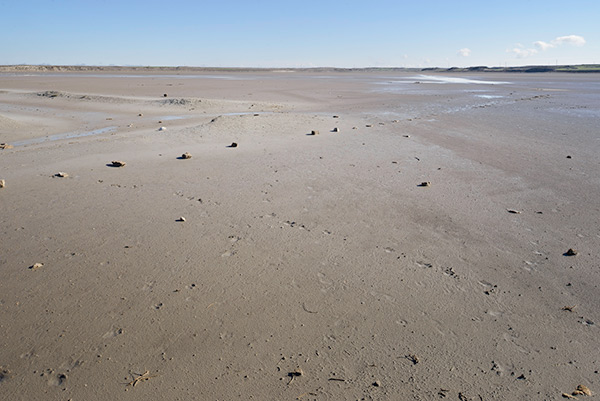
<point>296,266</point>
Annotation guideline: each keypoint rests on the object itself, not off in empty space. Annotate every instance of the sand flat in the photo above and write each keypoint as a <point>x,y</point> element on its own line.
<point>320,253</point>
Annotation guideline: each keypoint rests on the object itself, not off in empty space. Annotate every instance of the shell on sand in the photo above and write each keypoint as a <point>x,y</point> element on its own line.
<point>186,155</point>
<point>61,174</point>
<point>582,390</point>
<point>5,146</point>
<point>162,129</point>
<point>2,183</point>
<point>118,163</point>
<point>36,266</point>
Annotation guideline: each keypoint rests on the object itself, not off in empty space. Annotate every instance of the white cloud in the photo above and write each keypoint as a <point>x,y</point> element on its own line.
<point>574,40</point>
<point>464,52</point>
<point>543,45</point>
<point>521,52</point>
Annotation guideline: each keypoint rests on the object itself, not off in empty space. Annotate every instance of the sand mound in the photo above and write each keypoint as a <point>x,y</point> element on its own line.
<point>8,123</point>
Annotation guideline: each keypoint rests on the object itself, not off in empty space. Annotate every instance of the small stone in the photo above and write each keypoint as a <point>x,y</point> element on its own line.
<point>5,146</point>
<point>140,115</point>
<point>377,383</point>
<point>2,183</point>
<point>118,163</point>
<point>425,184</point>
<point>36,266</point>
<point>186,155</point>
<point>571,252</point>
<point>165,95</point>
<point>336,116</point>
<point>61,174</point>
<point>314,132</point>
<point>233,145</point>
<point>513,211</point>
<point>181,219</point>
<point>297,372</point>
<point>336,129</point>
<point>162,129</point>
<point>369,125</point>
<point>568,157</point>
<point>583,390</point>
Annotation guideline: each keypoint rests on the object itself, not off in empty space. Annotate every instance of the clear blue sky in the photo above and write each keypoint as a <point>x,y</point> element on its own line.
<point>299,33</point>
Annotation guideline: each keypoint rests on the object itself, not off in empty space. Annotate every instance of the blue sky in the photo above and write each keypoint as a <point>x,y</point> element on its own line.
<point>300,33</point>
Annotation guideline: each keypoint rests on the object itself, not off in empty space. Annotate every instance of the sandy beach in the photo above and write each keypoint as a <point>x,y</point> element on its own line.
<point>414,249</point>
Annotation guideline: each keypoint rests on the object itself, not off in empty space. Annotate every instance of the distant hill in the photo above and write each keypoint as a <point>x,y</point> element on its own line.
<point>582,68</point>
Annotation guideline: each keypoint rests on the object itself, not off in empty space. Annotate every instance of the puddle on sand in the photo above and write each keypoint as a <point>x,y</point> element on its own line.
<point>490,96</point>
<point>68,135</point>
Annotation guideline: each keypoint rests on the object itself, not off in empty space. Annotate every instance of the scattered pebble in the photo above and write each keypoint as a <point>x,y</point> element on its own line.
<point>314,132</point>
<point>36,266</point>
<point>61,174</point>
<point>2,183</point>
<point>140,115</point>
<point>413,358</point>
<point>335,130</point>
<point>377,383</point>
<point>181,219</point>
<point>5,146</point>
<point>336,116</point>
<point>582,390</point>
<point>165,95</point>
<point>571,252</point>
<point>369,125</point>
<point>568,157</point>
<point>406,136</point>
<point>233,145</point>
<point>513,211</point>
<point>118,163</point>
<point>162,129</point>
<point>186,155</point>
<point>425,184</point>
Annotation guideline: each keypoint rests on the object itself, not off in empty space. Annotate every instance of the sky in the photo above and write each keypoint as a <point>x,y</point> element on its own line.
<point>300,33</point>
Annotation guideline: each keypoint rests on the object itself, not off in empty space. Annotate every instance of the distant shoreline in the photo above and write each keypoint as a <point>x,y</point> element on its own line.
<point>581,68</point>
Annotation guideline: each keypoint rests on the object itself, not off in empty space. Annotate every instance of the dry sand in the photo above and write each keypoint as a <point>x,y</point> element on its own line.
<point>310,267</point>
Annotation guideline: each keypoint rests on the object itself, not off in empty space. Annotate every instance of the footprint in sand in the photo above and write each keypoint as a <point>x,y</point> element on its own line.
<point>113,333</point>
<point>54,379</point>
<point>424,264</point>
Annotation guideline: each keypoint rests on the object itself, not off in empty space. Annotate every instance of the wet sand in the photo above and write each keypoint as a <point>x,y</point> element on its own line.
<point>311,267</point>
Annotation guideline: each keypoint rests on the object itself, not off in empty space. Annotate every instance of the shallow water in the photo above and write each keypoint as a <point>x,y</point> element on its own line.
<point>58,137</point>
